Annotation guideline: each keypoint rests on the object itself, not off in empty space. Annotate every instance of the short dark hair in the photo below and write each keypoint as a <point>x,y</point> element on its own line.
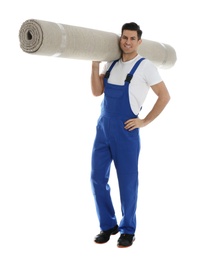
<point>132,27</point>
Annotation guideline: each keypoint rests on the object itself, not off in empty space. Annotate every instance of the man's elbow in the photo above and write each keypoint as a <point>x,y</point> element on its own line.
<point>168,98</point>
<point>97,93</point>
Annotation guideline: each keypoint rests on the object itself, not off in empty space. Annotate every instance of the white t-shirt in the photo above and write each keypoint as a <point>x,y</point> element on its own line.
<point>145,76</point>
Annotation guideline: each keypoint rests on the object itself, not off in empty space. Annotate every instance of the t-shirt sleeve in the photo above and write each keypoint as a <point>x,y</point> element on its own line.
<point>105,67</point>
<point>151,73</point>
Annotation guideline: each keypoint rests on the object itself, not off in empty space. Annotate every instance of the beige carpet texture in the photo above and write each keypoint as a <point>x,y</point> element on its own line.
<point>67,41</point>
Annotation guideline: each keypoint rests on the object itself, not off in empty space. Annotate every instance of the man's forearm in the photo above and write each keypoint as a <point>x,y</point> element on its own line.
<point>96,79</point>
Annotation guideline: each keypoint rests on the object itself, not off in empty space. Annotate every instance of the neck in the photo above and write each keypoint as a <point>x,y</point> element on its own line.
<point>128,56</point>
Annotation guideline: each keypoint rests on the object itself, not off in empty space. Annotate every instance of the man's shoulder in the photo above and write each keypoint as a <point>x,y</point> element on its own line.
<point>148,63</point>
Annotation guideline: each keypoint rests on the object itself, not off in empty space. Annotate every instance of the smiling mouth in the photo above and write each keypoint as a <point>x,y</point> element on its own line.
<point>127,46</point>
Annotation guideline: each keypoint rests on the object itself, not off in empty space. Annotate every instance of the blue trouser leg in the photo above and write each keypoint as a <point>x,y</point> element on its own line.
<point>125,149</point>
<point>101,161</point>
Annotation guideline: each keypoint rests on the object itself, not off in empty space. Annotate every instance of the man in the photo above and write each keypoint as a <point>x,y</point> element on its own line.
<point>125,84</point>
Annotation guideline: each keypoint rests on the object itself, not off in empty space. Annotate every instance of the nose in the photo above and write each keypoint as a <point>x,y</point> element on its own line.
<point>128,41</point>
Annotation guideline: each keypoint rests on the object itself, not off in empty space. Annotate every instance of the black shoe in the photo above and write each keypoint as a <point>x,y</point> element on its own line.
<point>104,236</point>
<point>125,240</point>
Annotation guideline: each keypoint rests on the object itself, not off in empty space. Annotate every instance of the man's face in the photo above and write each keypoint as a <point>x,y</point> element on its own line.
<point>129,41</point>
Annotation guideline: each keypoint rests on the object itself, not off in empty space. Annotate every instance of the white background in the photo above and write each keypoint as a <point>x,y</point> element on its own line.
<point>47,125</point>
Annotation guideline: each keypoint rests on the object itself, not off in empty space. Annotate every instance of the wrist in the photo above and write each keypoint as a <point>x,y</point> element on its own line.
<point>95,64</point>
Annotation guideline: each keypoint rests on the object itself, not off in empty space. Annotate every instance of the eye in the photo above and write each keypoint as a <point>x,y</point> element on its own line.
<point>124,37</point>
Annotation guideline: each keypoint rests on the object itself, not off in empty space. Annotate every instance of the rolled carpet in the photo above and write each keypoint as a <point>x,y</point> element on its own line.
<point>67,41</point>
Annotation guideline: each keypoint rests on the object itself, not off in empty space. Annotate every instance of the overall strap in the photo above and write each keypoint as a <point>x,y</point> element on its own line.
<point>130,74</point>
<point>109,70</point>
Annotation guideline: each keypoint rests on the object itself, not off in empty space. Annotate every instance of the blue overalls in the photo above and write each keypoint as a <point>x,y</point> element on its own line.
<point>114,143</point>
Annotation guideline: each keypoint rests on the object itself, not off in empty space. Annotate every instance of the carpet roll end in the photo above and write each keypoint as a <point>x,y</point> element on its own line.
<point>30,36</point>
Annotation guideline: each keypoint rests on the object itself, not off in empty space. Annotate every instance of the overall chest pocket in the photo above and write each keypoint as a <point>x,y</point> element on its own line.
<point>114,91</point>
